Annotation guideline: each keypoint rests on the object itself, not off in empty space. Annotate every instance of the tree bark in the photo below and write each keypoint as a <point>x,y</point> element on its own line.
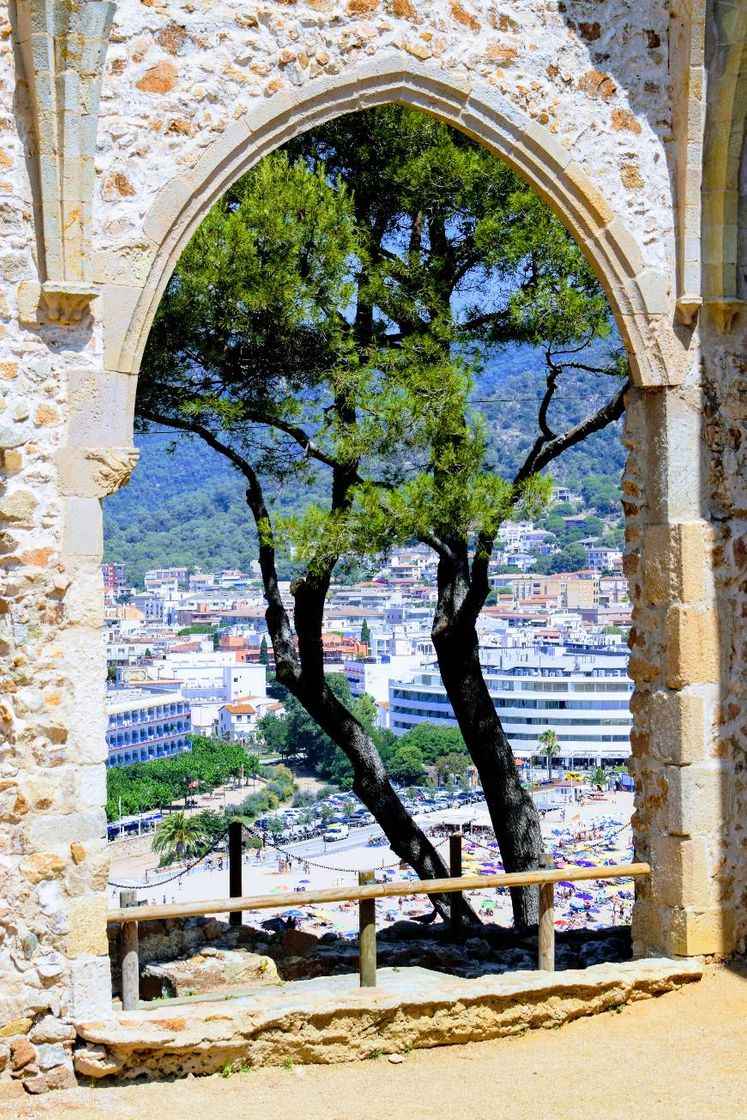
<point>305,679</point>
<point>372,786</point>
<point>515,819</point>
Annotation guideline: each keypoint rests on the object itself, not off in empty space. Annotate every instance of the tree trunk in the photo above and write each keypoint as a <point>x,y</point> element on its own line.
<point>512,812</point>
<point>372,786</point>
<point>303,676</point>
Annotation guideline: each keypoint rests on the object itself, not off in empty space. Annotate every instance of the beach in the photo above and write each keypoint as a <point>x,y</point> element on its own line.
<point>586,833</point>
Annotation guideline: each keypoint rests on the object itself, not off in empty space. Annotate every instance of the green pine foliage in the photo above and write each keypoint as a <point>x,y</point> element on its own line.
<point>472,285</point>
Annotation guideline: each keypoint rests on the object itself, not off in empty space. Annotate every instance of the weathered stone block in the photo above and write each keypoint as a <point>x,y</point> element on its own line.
<point>94,472</point>
<point>22,1053</point>
<point>91,988</point>
<point>700,932</point>
<point>50,1054</point>
<point>91,785</point>
<point>101,407</point>
<point>52,830</point>
<point>167,208</point>
<point>43,865</point>
<point>15,1026</point>
<point>28,297</point>
<point>119,305</point>
<point>588,194</point>
<point>692,646</point>
<point>83,529</point>
<point>680,872</point>
<point>18,509</point>
<point>87,917</point>
<point>94,1061</point>
<point>678,727</point>
<point>674,563</point>
<point>50,1029</point>
<point>61,1077</point>
<point>697,796</point>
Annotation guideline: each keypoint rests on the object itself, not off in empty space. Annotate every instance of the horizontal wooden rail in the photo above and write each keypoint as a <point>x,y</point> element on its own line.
<point>284,900</point>
<point>130,914</point>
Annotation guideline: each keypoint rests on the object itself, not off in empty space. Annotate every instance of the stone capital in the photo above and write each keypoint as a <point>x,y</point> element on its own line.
<point>94,472</point>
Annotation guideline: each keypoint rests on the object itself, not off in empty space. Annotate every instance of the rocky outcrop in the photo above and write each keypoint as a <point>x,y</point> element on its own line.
<point>209,971</point>
<point>333,1020</point>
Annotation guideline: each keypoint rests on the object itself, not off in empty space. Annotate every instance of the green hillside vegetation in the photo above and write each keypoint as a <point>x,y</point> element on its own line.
<point>184,504</point>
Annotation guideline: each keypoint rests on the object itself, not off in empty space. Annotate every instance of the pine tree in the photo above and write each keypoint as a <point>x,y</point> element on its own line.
<point>264,658</point>
<point>330,312</point>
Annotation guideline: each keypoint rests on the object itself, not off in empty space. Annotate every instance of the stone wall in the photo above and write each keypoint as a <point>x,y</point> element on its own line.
<point>600,107</point>
<point>724,434</point>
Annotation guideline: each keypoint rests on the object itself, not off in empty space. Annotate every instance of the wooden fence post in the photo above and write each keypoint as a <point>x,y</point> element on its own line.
<point>546,930</point>
<point>367,933</point>
<point>235,876</point>
<point>128,956</point>
<point>455,872</point>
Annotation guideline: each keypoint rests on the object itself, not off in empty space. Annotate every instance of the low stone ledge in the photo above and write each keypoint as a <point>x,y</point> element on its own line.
<point>330,1020</point>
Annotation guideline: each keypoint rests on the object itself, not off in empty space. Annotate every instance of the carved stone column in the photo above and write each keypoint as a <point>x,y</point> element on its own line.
<point>61,46</point>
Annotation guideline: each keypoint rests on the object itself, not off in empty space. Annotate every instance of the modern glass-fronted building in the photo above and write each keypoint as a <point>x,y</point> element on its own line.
<point>580,693</point>
<point>145,725</point>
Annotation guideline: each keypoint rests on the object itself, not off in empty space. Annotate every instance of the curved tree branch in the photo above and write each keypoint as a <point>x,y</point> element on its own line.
<point>276,615</point>
<point>544,451</point>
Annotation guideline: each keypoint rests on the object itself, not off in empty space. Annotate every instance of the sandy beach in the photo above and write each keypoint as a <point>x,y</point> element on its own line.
<point>587,833</point>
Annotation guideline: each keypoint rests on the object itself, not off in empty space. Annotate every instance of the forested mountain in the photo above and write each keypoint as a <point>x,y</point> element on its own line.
<point>185,504</point>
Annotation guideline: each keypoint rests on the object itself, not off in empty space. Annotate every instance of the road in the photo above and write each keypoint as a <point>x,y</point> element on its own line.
<point>310,849</point>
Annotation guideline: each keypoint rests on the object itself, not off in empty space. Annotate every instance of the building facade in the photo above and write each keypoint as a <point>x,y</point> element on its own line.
<point>142,726</point>
<point>113,576</point>
<point>583,695</point>
<point>172,578</point>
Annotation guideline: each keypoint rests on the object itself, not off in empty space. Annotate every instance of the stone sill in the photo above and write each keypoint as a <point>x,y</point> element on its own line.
<point>328,1020</point>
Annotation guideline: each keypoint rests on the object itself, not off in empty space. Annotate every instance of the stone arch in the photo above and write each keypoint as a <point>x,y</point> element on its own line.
<point>641,298</point>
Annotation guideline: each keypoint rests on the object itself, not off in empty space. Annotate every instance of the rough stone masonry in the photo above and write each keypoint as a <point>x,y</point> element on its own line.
<point>120,124</point>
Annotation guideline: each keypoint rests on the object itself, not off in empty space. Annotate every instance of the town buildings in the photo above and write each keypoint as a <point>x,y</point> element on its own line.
<point>553,649</point>
<point>143,725</point>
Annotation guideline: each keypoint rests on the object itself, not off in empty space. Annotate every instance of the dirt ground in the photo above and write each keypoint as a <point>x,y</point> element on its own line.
<point>682,1056</point>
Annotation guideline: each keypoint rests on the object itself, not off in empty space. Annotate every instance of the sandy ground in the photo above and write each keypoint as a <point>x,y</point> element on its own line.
<point>682,1056</point>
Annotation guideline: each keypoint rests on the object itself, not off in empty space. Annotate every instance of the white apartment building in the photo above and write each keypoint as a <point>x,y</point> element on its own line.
<point>599,557</point>
<point>143,726</point>
<point>231,577</point>
<point>212,672</point>
<point>201,581</point>
<point>209,679</point>
<point>161,577</point>
<point>373,677</point>
<point>238,720</point>
<point>150,606</point>
<point>581,693</point>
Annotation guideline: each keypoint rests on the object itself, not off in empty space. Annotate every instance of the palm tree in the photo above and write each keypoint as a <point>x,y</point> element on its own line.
<point>179,837</point>
<point>549,748</point>
<point>599,778</point>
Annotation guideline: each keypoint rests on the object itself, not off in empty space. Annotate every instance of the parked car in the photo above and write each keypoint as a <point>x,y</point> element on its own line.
<point>335,832</point>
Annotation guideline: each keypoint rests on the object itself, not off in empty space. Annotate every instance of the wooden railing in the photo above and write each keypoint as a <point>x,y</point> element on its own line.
<point>366,893</point>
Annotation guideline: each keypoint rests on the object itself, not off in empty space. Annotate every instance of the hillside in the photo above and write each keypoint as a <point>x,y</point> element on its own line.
<point>185,504</point>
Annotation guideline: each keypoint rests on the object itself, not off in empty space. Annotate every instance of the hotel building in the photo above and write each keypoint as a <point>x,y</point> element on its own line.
<point>580,693</point>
